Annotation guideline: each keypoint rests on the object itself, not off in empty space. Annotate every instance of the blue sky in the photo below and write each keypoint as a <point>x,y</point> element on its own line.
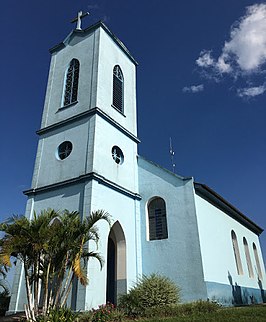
<point>201,80</point>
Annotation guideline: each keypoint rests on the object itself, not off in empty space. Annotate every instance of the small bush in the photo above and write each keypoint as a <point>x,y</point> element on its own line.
<point>149,292</point>
<point>161,312</point>
<point>85,316</point>
<point>107,312</point>
<point>179,310</point>
<point>59,315</point>
<point>198,307</point>
<point>4,302</point>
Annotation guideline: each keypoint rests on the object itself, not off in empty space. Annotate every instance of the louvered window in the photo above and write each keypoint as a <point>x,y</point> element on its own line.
<point>157,219</point>
<point>118,88</point>
<point>71,83</point>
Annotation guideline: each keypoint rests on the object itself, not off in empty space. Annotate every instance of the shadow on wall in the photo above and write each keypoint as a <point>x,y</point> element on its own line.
<point>261,291</point>
<point>243,296</point>
<point>236,291</point>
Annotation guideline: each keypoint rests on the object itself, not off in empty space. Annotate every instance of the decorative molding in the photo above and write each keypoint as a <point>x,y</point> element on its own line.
<point>88,113</point>
<point>81,179</point>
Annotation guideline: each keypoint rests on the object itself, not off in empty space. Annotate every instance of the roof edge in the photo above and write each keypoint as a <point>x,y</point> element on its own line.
<point>218,201</point>
<point>89,29</point>
<point>164,169</point>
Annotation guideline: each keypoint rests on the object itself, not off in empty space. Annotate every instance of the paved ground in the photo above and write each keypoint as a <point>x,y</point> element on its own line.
<point>11,318</point>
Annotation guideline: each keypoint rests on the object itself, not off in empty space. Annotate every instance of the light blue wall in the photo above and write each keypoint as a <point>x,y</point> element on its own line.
<point>229,295</point>
<point>219,264</point>
<point>49,169</point>
<point>177,257</point>
<point>85,49</point>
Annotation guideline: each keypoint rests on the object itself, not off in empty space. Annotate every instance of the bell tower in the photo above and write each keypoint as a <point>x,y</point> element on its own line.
<point>87,152</point>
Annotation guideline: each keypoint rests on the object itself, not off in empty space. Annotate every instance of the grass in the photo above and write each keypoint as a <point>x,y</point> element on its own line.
<point>237,314</point>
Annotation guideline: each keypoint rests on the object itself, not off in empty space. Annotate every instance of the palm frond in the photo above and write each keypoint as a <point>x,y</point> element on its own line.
<point>97,215</point>
<point>88,255</point>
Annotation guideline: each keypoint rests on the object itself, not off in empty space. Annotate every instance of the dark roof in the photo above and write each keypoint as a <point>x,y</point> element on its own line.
<point>218,201</point>
<point>89,30</point>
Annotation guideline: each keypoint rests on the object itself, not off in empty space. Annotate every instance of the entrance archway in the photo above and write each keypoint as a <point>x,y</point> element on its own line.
<point>116,264</point>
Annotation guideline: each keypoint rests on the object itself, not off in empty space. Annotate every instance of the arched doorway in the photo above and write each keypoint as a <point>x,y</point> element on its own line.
<point>116,283</point>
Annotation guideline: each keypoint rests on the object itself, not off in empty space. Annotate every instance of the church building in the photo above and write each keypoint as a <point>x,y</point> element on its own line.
<point>87,159</point>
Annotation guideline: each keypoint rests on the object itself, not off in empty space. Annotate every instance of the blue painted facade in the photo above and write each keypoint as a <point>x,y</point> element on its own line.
<point>90,179</point>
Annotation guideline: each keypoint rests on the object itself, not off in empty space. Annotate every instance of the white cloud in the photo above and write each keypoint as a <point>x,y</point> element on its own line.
<point>251,91</point>
<point>193,88</point>
<point>205,59</point>
<point>245,52</point>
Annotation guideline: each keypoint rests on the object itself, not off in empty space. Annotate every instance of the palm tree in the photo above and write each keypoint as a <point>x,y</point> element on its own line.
<point>54,249</point>
<point>26,240</point>
<point>69,253</point>
<point>3,274</point>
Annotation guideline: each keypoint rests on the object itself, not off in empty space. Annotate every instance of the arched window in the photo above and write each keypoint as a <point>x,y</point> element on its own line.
<point>71,83</point>
<point>118,88</point>
<point>249,264</point>
<point>236,253</point>
<point>157,219</point>
<point>257,261</point>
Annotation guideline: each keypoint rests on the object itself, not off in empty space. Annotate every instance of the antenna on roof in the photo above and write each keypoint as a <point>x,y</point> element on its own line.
<point>172,153</point>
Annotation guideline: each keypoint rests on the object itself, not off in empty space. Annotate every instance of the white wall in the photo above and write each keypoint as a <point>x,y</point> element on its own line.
<point>216,246</point>
<point>110,54</point>
<point>123,209</point>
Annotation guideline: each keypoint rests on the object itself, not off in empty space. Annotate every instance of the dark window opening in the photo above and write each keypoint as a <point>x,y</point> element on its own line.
<point>71,83</point>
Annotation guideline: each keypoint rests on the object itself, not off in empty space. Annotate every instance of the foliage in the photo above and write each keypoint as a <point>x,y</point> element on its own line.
<point>149,292</point>
<point>3,273</point>
<point>59,315</point>
<point>54,249</point>
<point>4,302</point>
<point>232,314</point>
<point>4,289</point>
<point>107,312</point>
<point>198,307</point>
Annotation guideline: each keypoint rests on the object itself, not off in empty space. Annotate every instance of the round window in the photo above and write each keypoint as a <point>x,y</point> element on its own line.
<point>117,155</point>
<point>64,150</point>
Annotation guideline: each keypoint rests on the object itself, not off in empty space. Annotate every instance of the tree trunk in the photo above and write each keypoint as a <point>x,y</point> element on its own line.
<point>66,283</point>
<point>63,302</point>
<point>46,289</point>
<point>29,295</point>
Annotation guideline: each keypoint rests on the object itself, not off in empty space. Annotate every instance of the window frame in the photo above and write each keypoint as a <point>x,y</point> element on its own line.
<point>236,251</point>
<point>248,258</point>
<point>257,260</point>
<point>154,226</point>
<point>118,89</point>
<point>70,83</point>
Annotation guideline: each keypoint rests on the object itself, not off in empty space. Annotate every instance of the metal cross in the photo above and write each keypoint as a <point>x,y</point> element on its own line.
<point>78,19</point>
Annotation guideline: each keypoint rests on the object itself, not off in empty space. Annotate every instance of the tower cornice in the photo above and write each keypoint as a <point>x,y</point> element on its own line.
<point>88,113</point>
<point>81,179</point>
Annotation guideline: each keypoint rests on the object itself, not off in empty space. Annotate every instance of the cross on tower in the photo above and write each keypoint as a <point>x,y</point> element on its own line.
<point>78,19</point>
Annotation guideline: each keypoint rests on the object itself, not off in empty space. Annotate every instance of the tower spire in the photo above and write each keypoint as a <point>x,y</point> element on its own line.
<point>80,16</point>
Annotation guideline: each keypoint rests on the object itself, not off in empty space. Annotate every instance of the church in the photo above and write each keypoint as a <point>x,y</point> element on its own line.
<point>87,159</point>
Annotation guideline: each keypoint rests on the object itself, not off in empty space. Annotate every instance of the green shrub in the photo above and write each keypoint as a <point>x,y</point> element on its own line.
<point>4,302</point>
<point>107,312</point>
<point>181,310</point>
<point>85,316</point>
<point>59,315</point>
<point>161,312</point>
<point>149,292</point>
<point>198,307</point>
